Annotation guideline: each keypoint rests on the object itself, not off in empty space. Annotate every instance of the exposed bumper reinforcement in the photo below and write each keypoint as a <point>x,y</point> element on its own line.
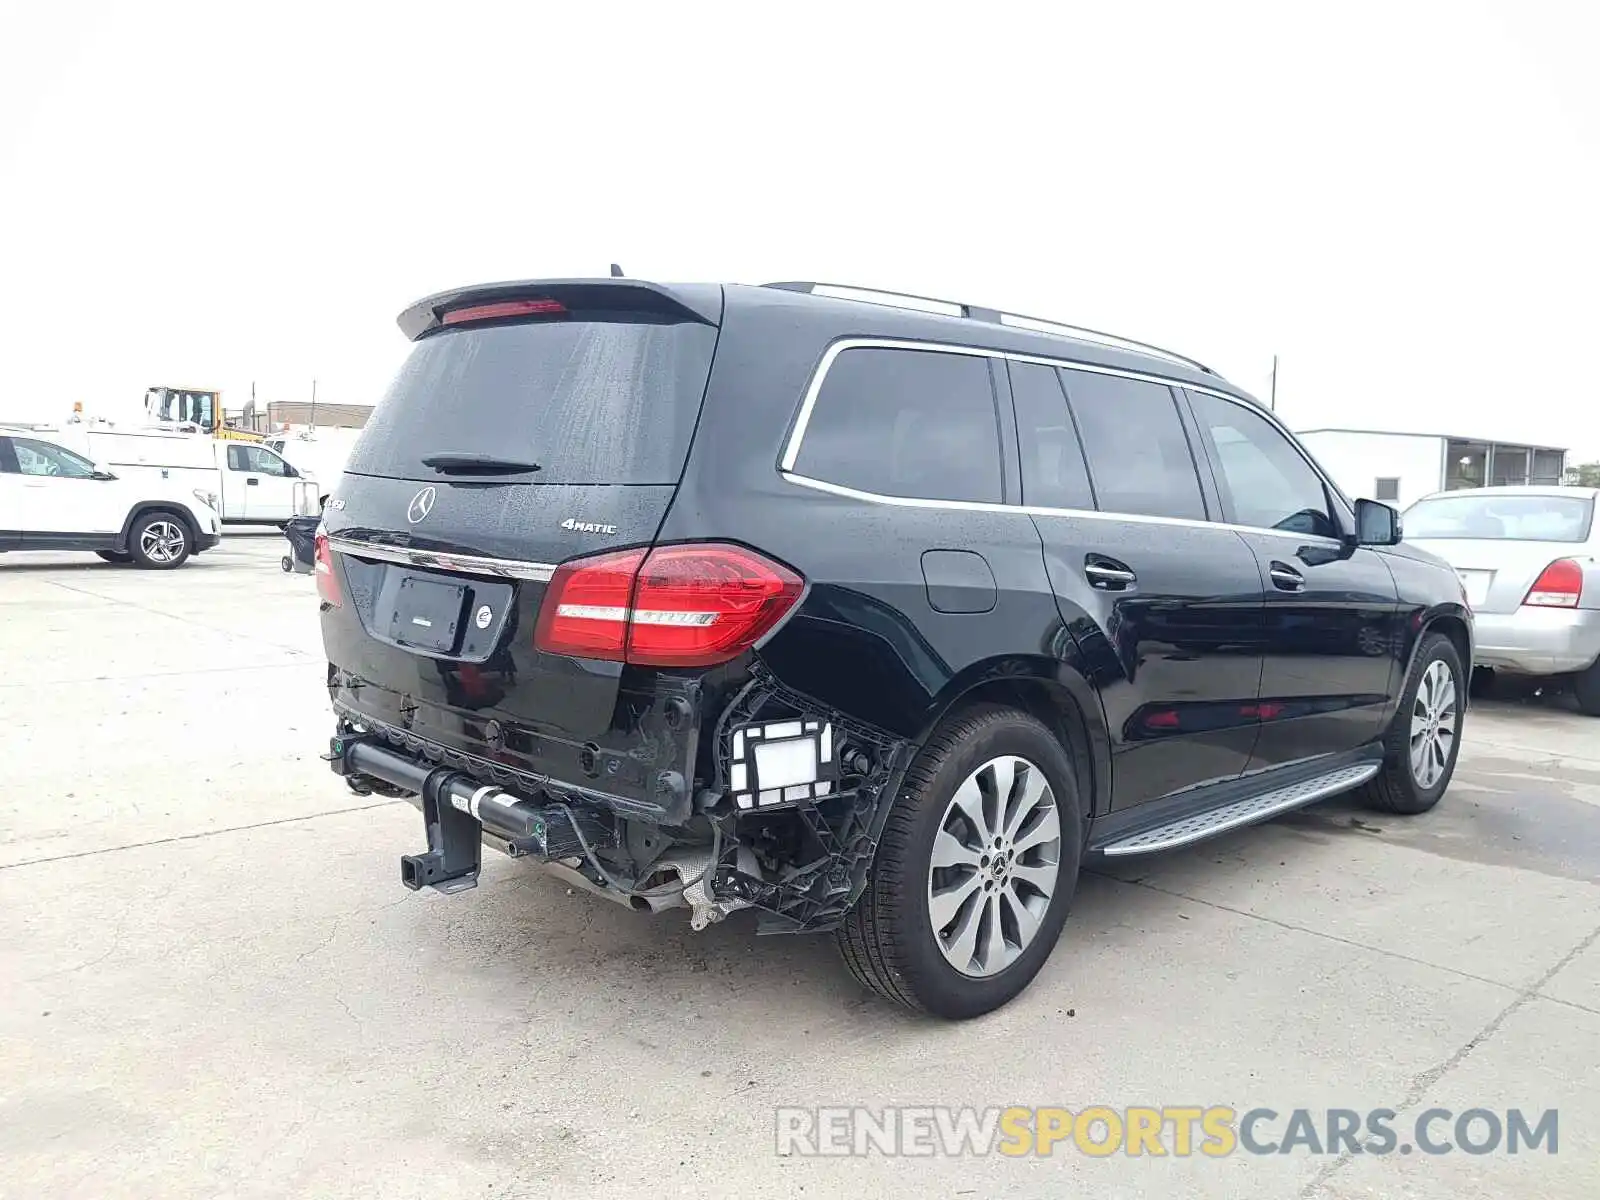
<point>460,815</point>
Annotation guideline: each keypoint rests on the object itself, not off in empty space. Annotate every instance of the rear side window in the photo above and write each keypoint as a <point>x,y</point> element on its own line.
<point>1139,456</point>
<point>913,423</point>
<point>591,398</point>
<point>1053,474</point>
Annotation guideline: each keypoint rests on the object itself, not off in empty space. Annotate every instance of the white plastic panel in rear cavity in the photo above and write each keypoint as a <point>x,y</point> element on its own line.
<point>783,764</point>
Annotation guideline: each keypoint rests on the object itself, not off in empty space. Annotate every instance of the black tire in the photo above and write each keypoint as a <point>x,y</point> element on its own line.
<point>160,541</point>
<point>1586,687</point>
<point>887,940</point>
<point>115,556</point>
<point>1395,788</point>
<point>286,563</point>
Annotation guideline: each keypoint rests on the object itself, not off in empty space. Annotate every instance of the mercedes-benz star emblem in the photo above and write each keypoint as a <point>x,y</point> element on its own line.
<point>421,505</point>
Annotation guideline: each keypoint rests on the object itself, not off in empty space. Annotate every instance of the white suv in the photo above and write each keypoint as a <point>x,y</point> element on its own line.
<point>54,499</point>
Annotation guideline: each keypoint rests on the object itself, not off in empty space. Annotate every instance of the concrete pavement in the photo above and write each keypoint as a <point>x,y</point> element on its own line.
<point>215,985</point>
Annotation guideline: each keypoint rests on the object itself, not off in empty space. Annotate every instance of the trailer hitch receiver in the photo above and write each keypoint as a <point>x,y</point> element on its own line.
<point>455,842</point>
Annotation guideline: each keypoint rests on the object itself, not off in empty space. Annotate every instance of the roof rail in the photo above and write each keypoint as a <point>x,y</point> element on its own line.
<point>973,312</point>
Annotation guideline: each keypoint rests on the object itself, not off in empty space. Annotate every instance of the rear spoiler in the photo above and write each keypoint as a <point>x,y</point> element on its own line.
<point>701,303</point>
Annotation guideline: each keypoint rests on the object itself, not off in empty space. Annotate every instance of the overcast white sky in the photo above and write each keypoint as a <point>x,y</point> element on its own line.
<point>1400,199</point>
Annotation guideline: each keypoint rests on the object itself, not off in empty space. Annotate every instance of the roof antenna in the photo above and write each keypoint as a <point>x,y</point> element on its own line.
<point>616,271</point>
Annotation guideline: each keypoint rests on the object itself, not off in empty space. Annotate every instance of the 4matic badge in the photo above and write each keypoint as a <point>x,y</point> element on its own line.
<point>587,526</point>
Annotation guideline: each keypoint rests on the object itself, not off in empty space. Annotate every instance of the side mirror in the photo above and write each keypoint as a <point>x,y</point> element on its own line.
<point>1376,524</point>
<point>100,473</point>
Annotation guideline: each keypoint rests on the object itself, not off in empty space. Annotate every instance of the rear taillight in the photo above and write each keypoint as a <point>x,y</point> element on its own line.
<point>502,309</point>
<point>1560,585</point>
<point>327,583</point>
<point>585,609</point>
<point>675,606</point>
<point>698,605</point>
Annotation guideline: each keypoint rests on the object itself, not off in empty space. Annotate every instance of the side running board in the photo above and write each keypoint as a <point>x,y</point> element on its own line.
<point>1195,827</point>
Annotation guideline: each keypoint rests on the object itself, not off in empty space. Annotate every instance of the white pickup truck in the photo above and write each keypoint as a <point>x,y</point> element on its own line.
<point>248,483</point>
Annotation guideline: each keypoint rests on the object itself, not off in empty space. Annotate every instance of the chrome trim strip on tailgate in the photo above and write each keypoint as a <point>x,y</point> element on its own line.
<point>470,564</point>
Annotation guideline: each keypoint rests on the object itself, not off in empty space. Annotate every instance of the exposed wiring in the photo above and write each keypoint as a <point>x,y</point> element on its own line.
<point>594,859</point>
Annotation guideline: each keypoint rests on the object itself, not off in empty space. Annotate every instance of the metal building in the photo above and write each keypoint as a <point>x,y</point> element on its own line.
<point>1401,468</point>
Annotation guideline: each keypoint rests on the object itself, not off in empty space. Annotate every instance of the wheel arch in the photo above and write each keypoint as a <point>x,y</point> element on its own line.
<point>1457,627</point>
<point>1054,693</point>
<point>1454,621</point>
<point>145,508</point>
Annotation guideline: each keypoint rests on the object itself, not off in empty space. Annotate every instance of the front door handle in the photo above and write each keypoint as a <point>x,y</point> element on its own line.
<point>252,483</point>
<point>1285,578</point>
<point>1109,576</point>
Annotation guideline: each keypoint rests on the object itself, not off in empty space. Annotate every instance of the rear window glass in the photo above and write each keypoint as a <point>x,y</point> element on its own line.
<point>913,423</point>
<point>591,399</point>
<point>1502,518</point>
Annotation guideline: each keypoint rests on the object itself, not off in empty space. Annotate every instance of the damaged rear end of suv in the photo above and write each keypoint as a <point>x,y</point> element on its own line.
<point>542,632</point>
<point>722,597</point>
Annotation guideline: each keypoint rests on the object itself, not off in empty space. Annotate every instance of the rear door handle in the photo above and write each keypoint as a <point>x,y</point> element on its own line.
<point>1285,578</point>
<point>1109,576</point>
<point>252,482</point>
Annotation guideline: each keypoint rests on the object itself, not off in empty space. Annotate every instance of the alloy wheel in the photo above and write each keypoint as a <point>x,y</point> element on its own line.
<point>1433,724</point>
<point>996,861</point>
<point>162,541</point>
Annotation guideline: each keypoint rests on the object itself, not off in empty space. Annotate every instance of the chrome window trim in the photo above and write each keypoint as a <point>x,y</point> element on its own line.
<point>791,450</point>
<point>471,564</point>
<point>1034,510</point>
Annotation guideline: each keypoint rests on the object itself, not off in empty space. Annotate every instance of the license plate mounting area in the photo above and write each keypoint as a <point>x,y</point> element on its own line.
<point>427,614</point>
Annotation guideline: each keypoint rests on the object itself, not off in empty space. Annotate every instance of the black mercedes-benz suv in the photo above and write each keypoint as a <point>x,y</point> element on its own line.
<point>876,615</point>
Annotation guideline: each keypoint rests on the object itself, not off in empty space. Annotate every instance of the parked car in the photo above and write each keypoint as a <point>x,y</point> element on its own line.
<point>54,499</point>
<point>870,619</point>
<point>247,483</point>
<point>1529,558</point>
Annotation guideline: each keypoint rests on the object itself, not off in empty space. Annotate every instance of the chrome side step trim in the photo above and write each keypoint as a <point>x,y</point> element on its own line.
<point>469,564</point>
<point>1195,827</point>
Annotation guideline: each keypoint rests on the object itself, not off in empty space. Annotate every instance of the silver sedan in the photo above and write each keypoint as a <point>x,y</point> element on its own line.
<point>1529,561</point>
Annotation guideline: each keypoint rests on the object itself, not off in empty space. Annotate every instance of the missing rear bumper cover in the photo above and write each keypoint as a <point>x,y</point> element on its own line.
<point>788,823</point>
<point>801,861</point>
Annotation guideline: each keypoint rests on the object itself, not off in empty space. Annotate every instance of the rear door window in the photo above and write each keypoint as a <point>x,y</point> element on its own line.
<point>591,398</point>
<point>1139,457</point>
<point>915,423</point>
<point>1053,471</point>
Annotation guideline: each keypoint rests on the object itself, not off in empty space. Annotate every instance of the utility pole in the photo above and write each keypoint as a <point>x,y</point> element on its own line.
<point>314,403</point>
<point>1272,400</point>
